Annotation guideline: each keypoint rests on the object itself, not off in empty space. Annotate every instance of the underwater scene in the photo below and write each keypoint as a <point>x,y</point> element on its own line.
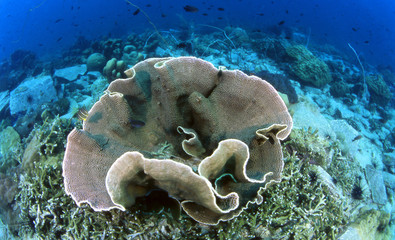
<point>197,119</point>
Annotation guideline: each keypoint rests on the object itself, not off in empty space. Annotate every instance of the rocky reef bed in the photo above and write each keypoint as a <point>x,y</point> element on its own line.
<point>338,177</point>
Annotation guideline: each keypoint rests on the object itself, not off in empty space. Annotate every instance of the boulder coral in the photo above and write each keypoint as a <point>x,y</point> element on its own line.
<point>308,68</point>
<point>224,129</point>
<point>379,90</point>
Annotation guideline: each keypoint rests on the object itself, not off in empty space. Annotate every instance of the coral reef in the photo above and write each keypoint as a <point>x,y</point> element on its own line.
<point>196,108</point>
<point>298,207</point>
<point>45,140</point>
<point>372,224</point>
<point>10,145</point>
<point>114,69</point>
<point>8,190</point>
<point>96,62</point>
<point>310,147</point>
<point>340,89</point>
<point>378,90</point>
<point>308,68</point>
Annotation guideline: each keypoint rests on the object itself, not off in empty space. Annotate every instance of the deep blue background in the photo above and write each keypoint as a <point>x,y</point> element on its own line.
<point>368,25</point>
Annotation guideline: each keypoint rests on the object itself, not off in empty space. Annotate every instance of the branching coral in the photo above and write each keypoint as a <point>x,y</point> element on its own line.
<point>310,147</point>
<point>45,140</point>
<point>295,208</point>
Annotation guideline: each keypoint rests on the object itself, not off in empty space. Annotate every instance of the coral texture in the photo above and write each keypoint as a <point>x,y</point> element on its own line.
<point>224,128</point>
<point>308,68</point>
<point>379,90</point>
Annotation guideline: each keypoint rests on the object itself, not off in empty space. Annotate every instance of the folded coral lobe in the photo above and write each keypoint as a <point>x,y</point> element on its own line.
<point>222,129</point>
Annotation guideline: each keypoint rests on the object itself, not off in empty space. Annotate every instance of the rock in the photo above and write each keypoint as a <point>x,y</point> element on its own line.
<point>350,233</point>
<point>96,62</point>
<point>376,184</point>
<point>4,99</point>
<point>305,110</point>
<point>31,94</point>
<point>389,180</point>
<point>345,133</point>
<point>389,161</point>
<point>70,73</point>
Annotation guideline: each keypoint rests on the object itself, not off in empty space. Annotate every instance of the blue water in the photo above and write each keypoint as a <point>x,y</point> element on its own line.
<point>355,39</point>
<point>32,25</point>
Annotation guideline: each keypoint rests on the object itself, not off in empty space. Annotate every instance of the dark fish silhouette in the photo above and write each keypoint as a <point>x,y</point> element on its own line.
<point>205,14</point>
<point>59,39</point>
<point>136,123</point>
<point>354,29</point>
<point>190,8</point>
<point>357,138</point>
<point>181,45</point>
<point>281,22</point>
<point>58,20</point>
<point>136,12</point>
<point>221,9</point>
<point>260,14</point>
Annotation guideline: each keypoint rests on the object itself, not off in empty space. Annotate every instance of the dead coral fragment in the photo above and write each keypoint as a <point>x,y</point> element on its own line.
<point>186,104</point>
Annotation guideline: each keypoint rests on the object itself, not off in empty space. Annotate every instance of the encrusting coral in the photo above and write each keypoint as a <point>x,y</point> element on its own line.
<point>224,128</point>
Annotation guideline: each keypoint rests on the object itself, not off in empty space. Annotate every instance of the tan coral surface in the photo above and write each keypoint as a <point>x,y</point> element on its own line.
<point>224,128</point>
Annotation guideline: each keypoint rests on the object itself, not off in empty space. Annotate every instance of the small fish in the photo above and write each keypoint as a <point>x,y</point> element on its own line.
<point>136,123</point>
<point>221,9</point>
<point>136,12</point>
<point>59,39</point>
<point>366,42</point>
<point>163,15</point>
<point>205,14</point>
<point>357,138</point>
<point>354,29</point>
<point>148,5</point>
<point>260,14</point>
<point>59,20</point>
<point>82,114</point>
<point>281,22</point>
<point>189,8</point>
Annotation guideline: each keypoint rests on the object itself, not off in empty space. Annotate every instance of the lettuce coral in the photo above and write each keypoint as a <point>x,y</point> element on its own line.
<point>189,104</point>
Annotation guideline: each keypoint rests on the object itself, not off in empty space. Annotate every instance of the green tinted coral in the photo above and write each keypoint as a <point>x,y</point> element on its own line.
<point>307,67</point>
<point>296,208</point>
<point>309,146</point>
<point>378,89</point>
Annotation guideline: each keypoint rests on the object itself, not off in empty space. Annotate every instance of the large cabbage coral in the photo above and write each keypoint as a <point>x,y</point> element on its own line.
<point>224,128</point>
